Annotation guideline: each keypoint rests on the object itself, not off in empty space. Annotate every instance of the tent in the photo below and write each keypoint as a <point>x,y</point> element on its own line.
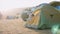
<point>44,16</point>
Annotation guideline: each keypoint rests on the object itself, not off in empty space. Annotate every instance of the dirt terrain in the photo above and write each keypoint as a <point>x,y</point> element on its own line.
<point>16,26</point>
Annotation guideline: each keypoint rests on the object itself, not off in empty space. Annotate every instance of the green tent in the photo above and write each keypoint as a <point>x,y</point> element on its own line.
<point>44,16</point>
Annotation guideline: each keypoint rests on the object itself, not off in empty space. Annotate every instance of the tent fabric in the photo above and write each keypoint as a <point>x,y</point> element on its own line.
<point>46,18</point>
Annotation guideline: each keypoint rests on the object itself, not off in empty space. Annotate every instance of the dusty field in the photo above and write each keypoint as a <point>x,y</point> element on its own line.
<point>16,26</point>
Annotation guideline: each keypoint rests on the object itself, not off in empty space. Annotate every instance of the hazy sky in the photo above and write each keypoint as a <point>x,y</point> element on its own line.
<point>8,4</point>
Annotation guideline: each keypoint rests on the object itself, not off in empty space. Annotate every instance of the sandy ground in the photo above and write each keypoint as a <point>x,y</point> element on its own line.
<point>16,26</point>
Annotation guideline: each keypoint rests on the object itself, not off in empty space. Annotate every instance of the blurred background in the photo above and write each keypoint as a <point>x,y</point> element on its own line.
<point>6,5</point>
